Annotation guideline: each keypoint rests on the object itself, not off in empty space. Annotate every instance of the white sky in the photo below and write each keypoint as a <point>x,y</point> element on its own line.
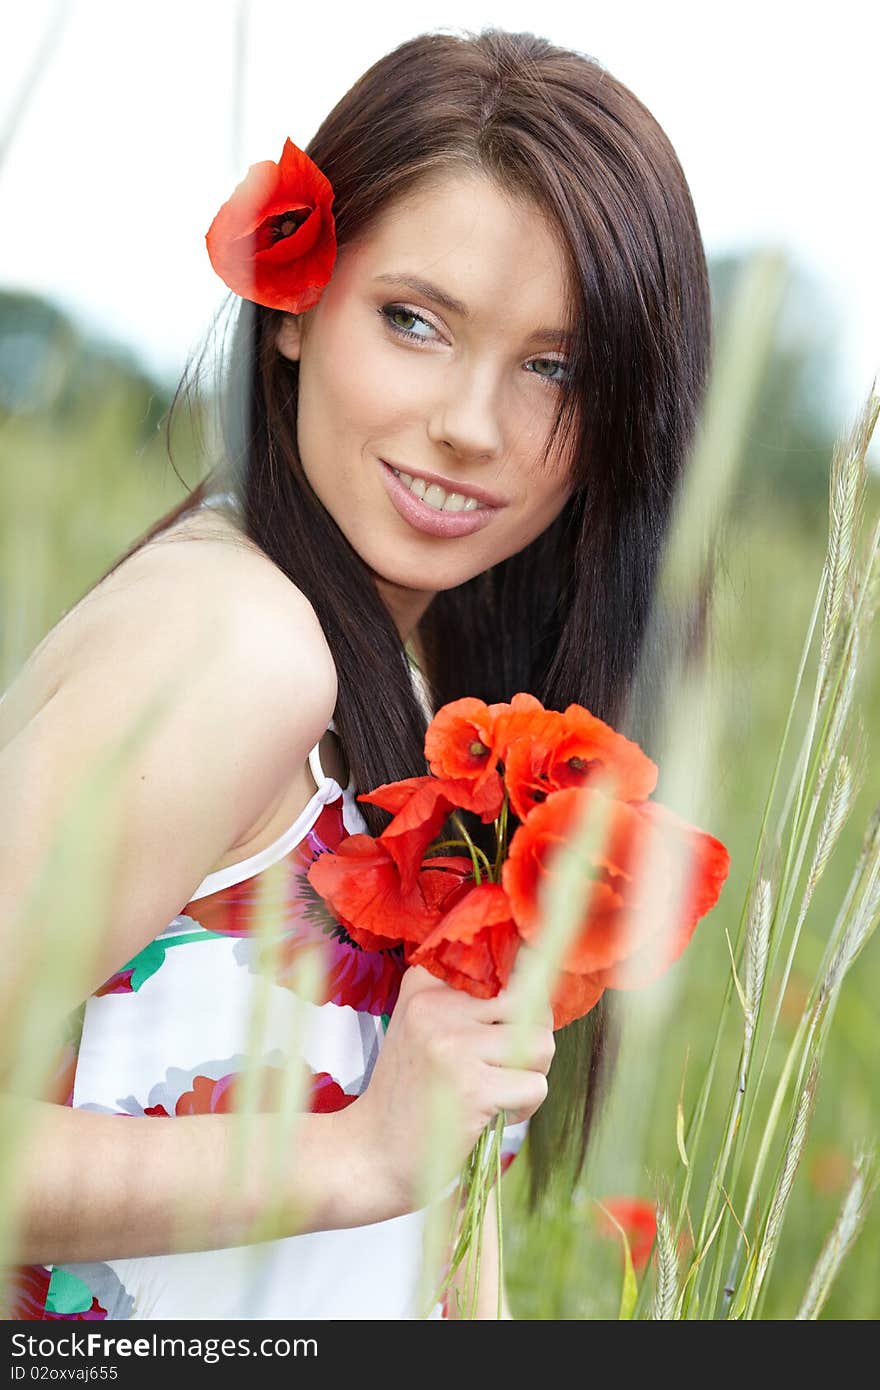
<point>134,137</point>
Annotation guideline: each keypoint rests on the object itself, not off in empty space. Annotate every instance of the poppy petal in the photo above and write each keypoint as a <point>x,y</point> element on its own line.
<point>274,240</point>
<point>474,945</point>
<point>573,996</point>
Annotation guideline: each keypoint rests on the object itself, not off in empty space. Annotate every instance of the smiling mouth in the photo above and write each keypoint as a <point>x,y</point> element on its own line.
<point>432,514</point>
<point>433,495</point>
<point>449,487</point>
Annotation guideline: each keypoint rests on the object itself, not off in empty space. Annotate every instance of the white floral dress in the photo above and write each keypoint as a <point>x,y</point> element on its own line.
<point>167,1035</point>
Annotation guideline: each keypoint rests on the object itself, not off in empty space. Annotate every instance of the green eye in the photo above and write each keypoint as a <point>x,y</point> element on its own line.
<point>390,312</point>
<point>551,380</point>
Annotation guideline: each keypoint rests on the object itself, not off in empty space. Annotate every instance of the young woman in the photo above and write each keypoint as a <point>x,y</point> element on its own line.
<point>464,455</point>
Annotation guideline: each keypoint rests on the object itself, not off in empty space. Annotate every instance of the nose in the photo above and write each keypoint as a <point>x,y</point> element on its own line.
<point>466,417</point>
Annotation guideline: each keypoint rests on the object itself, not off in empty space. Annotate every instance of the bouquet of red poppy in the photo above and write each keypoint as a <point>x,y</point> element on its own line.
<point>464,917</point>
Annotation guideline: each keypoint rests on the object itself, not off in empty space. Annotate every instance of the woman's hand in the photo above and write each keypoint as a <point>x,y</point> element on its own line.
<point>440,1037</point>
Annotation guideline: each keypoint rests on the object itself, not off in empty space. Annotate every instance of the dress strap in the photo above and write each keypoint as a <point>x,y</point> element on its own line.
<point>315,760</point>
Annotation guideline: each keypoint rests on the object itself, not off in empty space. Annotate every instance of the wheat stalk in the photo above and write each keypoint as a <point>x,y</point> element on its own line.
<point>793,1151</point>
<point>666,1293</point>
<point>850,1220</point>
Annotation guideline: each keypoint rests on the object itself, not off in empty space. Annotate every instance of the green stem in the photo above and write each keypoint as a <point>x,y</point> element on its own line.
<point>468,1224</point>
<point>806,807</point>
<point>789,877</point>
<point>501,838</point>
<point>698,1115</point>
<point>737,1132</point>
<point>814,1046</point>
<point>474,851</point>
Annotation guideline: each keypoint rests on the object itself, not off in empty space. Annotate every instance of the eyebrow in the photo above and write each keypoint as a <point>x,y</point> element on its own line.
<point>558,336</point>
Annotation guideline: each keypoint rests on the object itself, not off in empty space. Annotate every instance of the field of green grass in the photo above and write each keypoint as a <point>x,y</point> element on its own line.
<point>558,1266</point>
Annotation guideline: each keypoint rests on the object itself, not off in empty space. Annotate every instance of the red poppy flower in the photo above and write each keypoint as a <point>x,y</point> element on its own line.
<point>620,943</point>
<point>460,744</point>
<point>420,807</point>
<point>574,996</point>
<point>522,718</point>
<point>539,750</point>
<point>474,945</point>
<point>274,240</point>
<point>566,750</point>
<point>639,1221</point>
<point>363,886</point>
<point>703,863</point>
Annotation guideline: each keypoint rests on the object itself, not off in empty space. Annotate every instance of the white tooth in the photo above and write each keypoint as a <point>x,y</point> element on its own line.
<point>437,497</point>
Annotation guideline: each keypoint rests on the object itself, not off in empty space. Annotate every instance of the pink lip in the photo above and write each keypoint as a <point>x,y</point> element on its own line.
<point>490,499</point>
<point>428,519</point>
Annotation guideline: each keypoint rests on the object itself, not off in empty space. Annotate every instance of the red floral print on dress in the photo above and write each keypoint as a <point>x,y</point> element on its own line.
<point>365,980</point>
<point>29,1292</point>
<point>210,1096</point>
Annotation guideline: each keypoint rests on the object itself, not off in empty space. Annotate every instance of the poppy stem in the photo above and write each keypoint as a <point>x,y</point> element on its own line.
<point>474,851</point>
<point>501,836</point>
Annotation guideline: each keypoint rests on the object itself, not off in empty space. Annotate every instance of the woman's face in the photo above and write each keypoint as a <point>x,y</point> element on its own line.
<point>392,375</point>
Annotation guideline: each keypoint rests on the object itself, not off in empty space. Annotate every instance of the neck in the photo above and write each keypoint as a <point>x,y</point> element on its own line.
<point>406,606</point>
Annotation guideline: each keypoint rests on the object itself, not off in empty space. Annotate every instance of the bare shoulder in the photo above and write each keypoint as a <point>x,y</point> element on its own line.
<point>224,559</point>
<point>201,576</point>
<point>230,657</point>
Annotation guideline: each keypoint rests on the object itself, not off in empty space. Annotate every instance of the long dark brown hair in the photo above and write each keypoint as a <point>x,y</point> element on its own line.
<point>567,618</point>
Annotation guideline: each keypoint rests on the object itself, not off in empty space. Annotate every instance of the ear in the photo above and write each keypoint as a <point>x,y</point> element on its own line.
<point>289,337</point>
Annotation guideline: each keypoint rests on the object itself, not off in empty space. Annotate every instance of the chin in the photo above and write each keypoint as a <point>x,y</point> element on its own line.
<point>424,578</point>
<point>412,568</point>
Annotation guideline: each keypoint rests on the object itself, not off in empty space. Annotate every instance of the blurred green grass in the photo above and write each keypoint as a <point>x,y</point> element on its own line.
<point>557,1266</point>
<point>78,484</point>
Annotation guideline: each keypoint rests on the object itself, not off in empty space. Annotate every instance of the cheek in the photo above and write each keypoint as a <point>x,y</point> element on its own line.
<point>369,389</point>
<point>339,395</point>
<point>545,500</point>
<point>525,528</point>
<point>520,528</point>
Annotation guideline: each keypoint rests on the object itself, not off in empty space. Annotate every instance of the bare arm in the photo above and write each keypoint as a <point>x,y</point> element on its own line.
<point>88,1185</point>
<point>100,1187</point>
<point>257,687</point>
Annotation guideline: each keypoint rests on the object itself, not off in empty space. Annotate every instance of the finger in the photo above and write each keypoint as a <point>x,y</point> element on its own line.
<point>417,977</point>
<point>514,1004</point>
<point>532,1048</point>
<point>523,981</point>
<point>518,1093</point>
<point>497,1009</point>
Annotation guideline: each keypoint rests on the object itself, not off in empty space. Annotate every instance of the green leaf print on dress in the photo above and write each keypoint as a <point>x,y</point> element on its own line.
<point>147,962</point>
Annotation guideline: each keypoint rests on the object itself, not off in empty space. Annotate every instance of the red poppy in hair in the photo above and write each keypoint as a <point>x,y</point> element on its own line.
<point>274,240</point>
